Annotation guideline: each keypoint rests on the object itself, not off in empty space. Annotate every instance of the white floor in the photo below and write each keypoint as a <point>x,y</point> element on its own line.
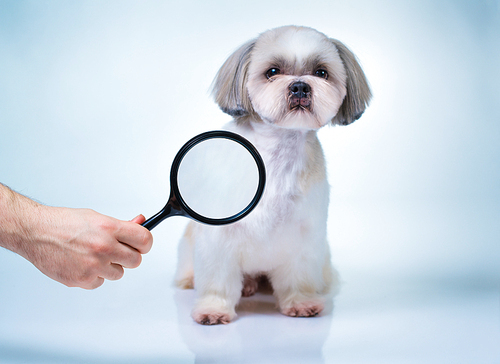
<point>142,319</point>
<point>408,296</point>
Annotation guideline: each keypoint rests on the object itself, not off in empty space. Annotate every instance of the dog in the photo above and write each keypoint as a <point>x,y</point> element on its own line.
<point>280,88</point>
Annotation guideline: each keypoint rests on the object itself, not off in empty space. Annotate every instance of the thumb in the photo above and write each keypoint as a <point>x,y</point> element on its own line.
<point>139,219</point>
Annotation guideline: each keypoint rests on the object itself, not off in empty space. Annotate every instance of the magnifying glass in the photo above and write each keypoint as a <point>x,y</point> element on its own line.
<point>216,178</point>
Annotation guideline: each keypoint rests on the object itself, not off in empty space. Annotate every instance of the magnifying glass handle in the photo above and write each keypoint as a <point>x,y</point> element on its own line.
<point>172,208</point>
<point>154,220</point>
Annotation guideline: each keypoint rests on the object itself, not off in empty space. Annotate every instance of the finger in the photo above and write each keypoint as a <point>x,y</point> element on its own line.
<point>135,236</point>
<point>139,219</point>
<point>112,272</point>
<point>126,256</point>
<point>93,284</point>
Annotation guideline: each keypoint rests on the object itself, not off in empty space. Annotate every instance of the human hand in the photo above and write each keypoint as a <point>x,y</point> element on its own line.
<point>82,248</point>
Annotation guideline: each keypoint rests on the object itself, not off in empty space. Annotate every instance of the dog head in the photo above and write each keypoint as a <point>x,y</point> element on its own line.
<point>293,77</point>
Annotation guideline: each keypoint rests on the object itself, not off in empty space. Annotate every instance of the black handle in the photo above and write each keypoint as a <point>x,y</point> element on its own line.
<point>172,208</point>
<point>154,220</point>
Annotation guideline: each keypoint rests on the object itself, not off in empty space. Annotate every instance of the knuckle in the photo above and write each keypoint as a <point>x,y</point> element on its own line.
<point>135,260</point>
<point>120,274</point>
<point>105,223</point>
<point>108,225</point>
<point>90,272</point>
<point>95,284</point>
<point>146,241</point>
<point>117,274</point>
<point>101,247</point>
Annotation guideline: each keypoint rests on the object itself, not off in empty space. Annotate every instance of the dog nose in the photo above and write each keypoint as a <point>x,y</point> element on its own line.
<point>300,89</point>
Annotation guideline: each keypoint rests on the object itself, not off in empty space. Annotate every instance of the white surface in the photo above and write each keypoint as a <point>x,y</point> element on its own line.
<point>97,97</point>
<point>377,318</point>
<point>398,324</point>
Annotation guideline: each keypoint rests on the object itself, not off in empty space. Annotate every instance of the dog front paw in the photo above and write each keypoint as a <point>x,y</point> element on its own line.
<point>213,310</point>
<point>304,309</point>
<point>211,318</point>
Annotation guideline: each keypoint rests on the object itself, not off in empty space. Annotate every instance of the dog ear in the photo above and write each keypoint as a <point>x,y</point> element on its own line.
<point>229,85</point>
<point>358,92</point>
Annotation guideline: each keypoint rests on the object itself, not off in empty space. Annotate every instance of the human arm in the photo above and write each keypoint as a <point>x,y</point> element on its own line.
<point>76,247</point>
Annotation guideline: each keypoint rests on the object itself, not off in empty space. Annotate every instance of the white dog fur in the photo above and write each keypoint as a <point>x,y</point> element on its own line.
<point>280,88</point>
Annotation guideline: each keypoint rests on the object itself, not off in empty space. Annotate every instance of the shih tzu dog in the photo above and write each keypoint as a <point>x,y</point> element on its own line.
<point>280,88</point>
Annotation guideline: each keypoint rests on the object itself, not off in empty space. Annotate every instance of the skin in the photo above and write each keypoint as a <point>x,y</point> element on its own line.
<point>76,247</point>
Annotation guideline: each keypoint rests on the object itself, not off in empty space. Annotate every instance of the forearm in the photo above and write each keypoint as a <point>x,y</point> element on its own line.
<point>36,231</point>
<point>17,216</point>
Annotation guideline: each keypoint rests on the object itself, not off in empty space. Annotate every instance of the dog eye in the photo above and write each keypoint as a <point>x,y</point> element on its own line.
<point>272,72</point>
<point>321,73</point>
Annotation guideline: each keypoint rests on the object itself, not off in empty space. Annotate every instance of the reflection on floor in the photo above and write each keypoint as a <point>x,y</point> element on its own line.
<point>371,321</point>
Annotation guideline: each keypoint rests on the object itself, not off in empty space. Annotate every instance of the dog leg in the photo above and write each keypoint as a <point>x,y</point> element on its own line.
<point>216,305</point>
<point>302,288</point>
<point>184,276</point>
<point>218,278</point>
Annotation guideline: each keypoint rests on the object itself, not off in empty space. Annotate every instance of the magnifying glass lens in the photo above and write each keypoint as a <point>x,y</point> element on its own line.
<point>218,178</point>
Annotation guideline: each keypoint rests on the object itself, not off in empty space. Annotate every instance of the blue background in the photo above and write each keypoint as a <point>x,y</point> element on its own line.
<point>97,97</point>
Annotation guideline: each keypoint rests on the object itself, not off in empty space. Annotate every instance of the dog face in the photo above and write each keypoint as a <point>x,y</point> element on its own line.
<point>293,77</point>
<point>296,78</point>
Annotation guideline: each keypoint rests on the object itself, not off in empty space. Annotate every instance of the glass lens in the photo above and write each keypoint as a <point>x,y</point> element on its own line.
<point>218,178</point>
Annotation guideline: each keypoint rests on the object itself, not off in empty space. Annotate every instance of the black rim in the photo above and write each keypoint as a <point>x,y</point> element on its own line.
<point>210,135</point>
